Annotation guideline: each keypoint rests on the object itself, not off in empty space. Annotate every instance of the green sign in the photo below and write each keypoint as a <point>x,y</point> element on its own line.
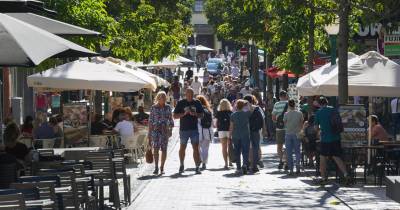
<point>392,49</point>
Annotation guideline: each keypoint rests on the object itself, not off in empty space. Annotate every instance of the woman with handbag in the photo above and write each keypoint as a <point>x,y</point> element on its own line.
<point>160,129</point>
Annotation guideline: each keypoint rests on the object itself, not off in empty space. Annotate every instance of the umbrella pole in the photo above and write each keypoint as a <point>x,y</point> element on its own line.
<point>369,127</point>
<point>91,105</point>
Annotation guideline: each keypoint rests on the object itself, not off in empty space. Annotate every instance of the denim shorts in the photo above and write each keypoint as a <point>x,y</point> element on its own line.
<point>193,135</point>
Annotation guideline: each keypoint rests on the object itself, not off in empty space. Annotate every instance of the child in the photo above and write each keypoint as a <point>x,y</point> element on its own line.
<point>311,136</point>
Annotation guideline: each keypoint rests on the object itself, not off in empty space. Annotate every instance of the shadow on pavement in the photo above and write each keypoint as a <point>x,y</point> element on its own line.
<point>217,169</point>
<point>149,177</point>
<point>232,175</point>
<point>179,175</point>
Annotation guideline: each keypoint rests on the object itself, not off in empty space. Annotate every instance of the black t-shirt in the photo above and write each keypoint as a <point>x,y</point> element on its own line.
<point>188,122</point>
<point>224,119</point>
<point>19,151</point>
<point>97,128</point>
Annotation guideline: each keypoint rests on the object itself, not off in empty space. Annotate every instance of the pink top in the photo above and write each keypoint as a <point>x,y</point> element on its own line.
<point>379,133</point>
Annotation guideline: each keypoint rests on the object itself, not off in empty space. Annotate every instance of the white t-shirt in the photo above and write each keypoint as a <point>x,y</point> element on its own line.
<point>124,128</point>
<point>196,87</point>
<point>394,105</point>
<point>245,92</point>
<point>235,71</point>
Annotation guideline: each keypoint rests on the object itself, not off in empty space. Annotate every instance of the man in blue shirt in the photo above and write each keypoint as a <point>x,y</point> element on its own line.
<point>330,141</point>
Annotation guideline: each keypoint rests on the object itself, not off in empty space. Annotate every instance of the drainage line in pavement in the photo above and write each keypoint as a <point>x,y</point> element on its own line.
<point>337,197</point>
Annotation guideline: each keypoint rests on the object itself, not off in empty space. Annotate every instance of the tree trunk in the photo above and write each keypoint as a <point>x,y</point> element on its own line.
<point>270,81</point>
<point>344,11</point>
<point>311,38</point>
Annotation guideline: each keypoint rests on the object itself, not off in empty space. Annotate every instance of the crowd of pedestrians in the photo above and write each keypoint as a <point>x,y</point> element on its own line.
<point>228,109</point>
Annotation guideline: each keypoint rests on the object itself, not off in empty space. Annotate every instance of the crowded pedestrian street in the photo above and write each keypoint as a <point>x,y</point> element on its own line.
<point>199,104</point>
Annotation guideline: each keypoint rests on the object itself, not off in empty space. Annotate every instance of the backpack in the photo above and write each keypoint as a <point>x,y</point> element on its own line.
<point>224,120</point>
<point>336,122</point>
<point>279,122</point>
<point>256,120</point>
<point>206,121</point>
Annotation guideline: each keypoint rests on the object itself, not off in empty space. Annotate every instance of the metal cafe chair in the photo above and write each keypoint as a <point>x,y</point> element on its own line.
<point>102,161</point>
<point>46,191</point>
<point>30,194</point>
<point>12,201</point>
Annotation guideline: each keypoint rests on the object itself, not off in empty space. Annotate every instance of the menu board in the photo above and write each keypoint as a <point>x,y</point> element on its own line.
<point>75,115</point>
<point>115,102</point>
<point>75,123</point>
<point>354,119</point>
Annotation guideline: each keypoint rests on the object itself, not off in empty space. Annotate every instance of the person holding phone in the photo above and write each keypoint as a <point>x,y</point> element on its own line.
<point>188,111</point>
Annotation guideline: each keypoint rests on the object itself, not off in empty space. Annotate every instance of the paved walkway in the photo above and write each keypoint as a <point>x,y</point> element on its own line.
<point>216,188</point>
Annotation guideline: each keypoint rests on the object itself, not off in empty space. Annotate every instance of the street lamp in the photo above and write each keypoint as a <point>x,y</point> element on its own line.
<point>195,51</point>
<point>250,56</point>
<point>333,31</point>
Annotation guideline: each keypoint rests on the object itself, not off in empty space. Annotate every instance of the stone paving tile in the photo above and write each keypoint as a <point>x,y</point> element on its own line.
<point>219,189</point>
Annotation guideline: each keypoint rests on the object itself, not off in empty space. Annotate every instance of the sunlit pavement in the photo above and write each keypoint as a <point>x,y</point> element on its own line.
<point>216,188</point>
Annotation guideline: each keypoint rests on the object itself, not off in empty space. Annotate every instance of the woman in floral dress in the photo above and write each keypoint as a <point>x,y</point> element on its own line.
<point>160,129</point>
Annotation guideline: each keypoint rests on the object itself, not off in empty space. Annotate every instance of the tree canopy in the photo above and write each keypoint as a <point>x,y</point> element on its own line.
<point>140,30</point>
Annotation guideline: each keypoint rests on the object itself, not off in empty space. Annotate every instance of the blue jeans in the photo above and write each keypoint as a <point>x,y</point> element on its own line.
<point>292,144</point>
<point>255,145</point>
<point>193,135</point>
<point>241,147</point>
<point>396,122</point>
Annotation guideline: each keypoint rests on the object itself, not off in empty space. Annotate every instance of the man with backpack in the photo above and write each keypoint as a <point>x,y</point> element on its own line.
<point>328,121</point>
<point>256,123</point>
<point>278,112</point>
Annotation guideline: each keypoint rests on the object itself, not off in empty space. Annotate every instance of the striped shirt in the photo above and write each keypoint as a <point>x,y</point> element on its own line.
<point>279,107</point>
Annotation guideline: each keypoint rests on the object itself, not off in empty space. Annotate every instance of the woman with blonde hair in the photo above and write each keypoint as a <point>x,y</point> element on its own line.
<point>205,130</point>
<point>160,129</point>
<point>223,116</point>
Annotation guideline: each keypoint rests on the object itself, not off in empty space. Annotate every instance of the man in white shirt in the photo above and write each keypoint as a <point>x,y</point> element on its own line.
<point>395,108</point>
<point>235,71</point>
<point>196,86</point>
<point>125,129</point>
<point>246,90</point>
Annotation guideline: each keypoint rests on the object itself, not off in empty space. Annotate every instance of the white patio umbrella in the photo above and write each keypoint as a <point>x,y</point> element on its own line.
<point>85,75</point>
<point>22,44</point>
<point>370,74</point>
<point>53,26</point>
<point>200,48</point>
<point>166,63</point>
<point>181,59</point>
<point>160,82</point>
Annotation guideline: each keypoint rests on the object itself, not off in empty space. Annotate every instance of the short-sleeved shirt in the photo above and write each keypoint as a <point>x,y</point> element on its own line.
<point>223,120</point>
<point>241,128</point>
<point>188,122</point>
<point>196,86</point>
<point>293,121</point>
<point>322,118</point>
<point>279,107</point>
<point>124,128</point>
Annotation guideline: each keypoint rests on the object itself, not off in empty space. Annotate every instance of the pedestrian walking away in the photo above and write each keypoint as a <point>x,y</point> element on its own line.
<point>223,119</point>
<point>240,132</point>
<point>256,123</point>
<point>278,112</point>
<point>205,130</point>
<point>160,129</point>
<point>188,111</point>
<point>293,120</point>
<point>326,118</point>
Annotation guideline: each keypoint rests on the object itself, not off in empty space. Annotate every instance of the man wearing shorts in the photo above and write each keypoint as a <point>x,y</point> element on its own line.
<point>278,112</point>
<point>330,141</point>
<point>189,110</point>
